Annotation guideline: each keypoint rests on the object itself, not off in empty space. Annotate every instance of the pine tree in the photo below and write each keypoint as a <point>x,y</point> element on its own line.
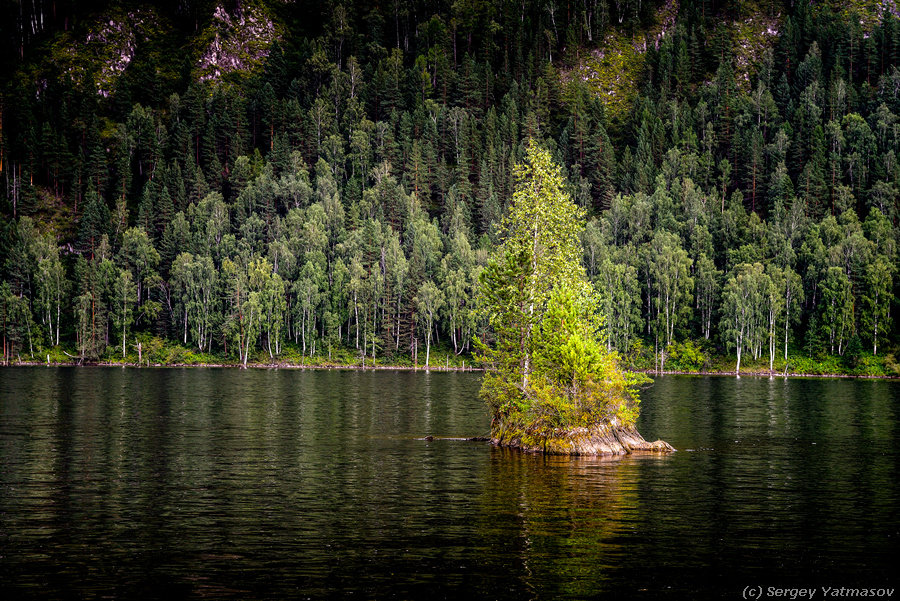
<point>95,221</point>
<point>546,365</point>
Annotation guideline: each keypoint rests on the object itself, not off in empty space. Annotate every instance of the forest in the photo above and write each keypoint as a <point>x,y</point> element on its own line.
<point>253,181</point>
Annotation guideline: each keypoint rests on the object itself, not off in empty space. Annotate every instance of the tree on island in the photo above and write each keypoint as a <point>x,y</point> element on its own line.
<point>550,381</point>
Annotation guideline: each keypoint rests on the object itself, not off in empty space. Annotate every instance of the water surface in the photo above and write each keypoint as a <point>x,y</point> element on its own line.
<point>265,484</point>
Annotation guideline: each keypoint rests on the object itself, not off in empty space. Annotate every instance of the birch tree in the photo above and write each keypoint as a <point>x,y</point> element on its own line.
<point>428,301</point>
<point>122,307</point>
<point>742,298</point>
<point>876,299</point>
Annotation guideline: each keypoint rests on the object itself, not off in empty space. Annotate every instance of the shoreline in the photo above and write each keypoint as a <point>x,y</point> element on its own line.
<point>347,367</point>
<point>422,368</point>
<point>763,374</point>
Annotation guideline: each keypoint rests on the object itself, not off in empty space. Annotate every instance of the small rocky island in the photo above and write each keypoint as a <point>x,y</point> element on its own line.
<point>551,382</point>
<point>606,439</point>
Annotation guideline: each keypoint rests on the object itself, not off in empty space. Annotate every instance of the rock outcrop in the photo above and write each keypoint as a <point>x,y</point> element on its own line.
<point>607,439</point>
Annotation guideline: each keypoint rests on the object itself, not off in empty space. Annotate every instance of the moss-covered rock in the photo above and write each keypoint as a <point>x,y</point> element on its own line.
<point>601,439</point>
<point>613,70</point>
<point>752,37</point>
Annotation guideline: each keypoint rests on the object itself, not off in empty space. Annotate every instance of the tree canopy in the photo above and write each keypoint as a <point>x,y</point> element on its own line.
<point>718,151</point>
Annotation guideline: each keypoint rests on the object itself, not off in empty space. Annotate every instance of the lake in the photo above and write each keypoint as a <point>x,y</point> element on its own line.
<point>272,484</point>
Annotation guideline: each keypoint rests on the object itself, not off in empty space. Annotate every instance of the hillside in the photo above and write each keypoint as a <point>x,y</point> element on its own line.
<point>304,181</point>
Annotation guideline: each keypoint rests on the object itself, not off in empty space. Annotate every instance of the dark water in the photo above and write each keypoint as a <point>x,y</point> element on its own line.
<point>207,483</point>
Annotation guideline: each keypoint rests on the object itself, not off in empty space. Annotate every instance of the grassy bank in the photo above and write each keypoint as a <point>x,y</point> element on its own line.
<point>158,352</point>
<point>694,358</point>
<point>682,358</point>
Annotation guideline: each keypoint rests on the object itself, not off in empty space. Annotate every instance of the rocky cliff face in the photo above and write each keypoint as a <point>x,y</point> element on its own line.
<point>96,58</point>
<point>96,55</point>
<point>240,41</point>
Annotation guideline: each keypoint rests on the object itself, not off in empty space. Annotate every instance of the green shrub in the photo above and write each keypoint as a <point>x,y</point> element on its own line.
<point>685,356</point>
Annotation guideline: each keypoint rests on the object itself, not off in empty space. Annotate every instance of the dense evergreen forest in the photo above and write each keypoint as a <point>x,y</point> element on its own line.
<point>263,181</point>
